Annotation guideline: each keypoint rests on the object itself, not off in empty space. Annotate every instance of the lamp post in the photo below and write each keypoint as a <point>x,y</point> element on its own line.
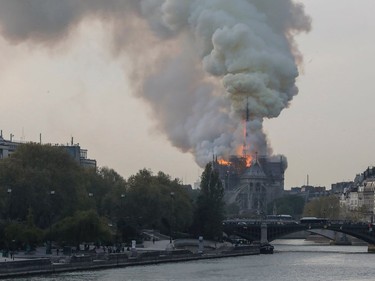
<point>92,200</point>
<point>9,191</point>
<point>122,199</point>
<point>49,245</point>
<point>171,220</point>
<point>120,221</point>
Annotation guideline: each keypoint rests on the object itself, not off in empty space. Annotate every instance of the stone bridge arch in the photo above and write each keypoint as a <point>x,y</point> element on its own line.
<point>252,230</point>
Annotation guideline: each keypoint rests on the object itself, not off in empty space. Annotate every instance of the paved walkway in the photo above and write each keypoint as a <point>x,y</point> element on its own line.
<point>2,259</point>
<point>40,252</point>
<point>157,245</point>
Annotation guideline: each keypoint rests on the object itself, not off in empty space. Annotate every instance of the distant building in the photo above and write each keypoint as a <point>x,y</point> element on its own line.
<point>80,155</point>
<point>358,197</point>
<point>339,187</point>
<point>7,147</point>
<point>308,192</point>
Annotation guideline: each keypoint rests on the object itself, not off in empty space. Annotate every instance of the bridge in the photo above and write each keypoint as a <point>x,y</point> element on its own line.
<point>267,231</point>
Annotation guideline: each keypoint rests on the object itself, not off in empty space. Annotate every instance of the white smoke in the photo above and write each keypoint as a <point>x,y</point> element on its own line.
<point>197,63</point>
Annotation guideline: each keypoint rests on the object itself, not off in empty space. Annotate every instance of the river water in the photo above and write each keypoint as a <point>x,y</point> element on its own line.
<point>293,260</point>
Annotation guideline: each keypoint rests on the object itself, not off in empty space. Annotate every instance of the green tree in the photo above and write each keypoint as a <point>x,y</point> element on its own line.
<point>32,173</point>
<point>288,205</point>
<point>83,226</point>
<point>209,213</point>
<point>48,181</point>
<point>108,189</point>
<point>149,204</point>
<point>23,235</point>
<point>360,214</point>
<point>323,207</point>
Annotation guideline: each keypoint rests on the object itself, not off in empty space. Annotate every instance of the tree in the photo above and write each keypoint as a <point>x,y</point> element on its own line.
<point>48,181</point>
<point>83,226</point>
<point>209,212</point>
<point>109,190</point>
<point>323,207</point>
<point>288,205</point>
<point>23,234</point>
<point>31,173</point>
<point>149,203</point>
<point>359,214</point>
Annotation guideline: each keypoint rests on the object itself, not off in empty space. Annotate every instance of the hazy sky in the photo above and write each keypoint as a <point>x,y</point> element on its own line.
<point>77,88</point>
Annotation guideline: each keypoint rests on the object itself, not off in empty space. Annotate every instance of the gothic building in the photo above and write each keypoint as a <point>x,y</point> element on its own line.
<point>252,187</point>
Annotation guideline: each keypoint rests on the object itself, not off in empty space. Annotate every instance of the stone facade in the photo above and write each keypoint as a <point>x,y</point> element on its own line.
<point>253,188</point>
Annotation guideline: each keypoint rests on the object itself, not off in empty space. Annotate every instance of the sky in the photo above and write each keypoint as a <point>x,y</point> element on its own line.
<point>81,87</point>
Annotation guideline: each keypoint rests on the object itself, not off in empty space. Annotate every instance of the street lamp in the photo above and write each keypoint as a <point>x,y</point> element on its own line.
<point>9,191</point>
<point>9,202</point>
<point>120,220</point>
<point>92,202</point>
<point>49,245</point>
<point>122,203</point>
<point>171,223</point>
<point>122,199</point>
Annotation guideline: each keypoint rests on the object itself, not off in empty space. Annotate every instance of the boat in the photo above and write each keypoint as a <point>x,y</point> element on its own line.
<point>266,248</point>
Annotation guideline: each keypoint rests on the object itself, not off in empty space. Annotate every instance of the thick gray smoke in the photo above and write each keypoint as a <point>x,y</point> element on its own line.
<point>197,63</point>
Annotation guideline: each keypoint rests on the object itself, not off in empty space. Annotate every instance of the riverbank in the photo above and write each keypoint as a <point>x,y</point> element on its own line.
<point>23,265</point>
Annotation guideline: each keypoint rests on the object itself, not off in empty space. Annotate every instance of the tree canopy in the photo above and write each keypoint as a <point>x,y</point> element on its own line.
<point>44,178</point>
<point>209,212</point>
<point>288,205</point>
<point>42,188</point>
<point>323,207</point>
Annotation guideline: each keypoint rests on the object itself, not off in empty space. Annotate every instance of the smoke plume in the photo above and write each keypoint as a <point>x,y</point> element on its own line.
<point>197,63</point>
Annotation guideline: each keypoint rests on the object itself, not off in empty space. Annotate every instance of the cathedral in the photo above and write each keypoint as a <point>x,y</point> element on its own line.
<point>252,186</point>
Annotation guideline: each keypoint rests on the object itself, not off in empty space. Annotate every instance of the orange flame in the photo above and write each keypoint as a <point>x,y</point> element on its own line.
<point>248,160</point>
<point>224,162</point>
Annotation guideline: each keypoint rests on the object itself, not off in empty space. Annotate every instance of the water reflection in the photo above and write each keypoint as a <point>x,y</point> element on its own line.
<point>301,245</point>
<point>293,260</point>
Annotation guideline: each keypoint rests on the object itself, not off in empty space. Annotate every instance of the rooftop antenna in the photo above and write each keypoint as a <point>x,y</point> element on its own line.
<point>40,138</point>
<point>23,135</point>
<point>307,179</point>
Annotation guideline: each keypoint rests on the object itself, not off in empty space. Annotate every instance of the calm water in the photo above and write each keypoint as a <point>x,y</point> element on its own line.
<point>293,260</point>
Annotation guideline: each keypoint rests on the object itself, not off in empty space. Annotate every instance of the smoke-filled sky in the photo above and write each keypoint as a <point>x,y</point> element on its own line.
<point>163,84</point>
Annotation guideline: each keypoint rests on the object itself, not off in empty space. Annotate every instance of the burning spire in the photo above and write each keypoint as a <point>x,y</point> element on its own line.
<point>244,148</point>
